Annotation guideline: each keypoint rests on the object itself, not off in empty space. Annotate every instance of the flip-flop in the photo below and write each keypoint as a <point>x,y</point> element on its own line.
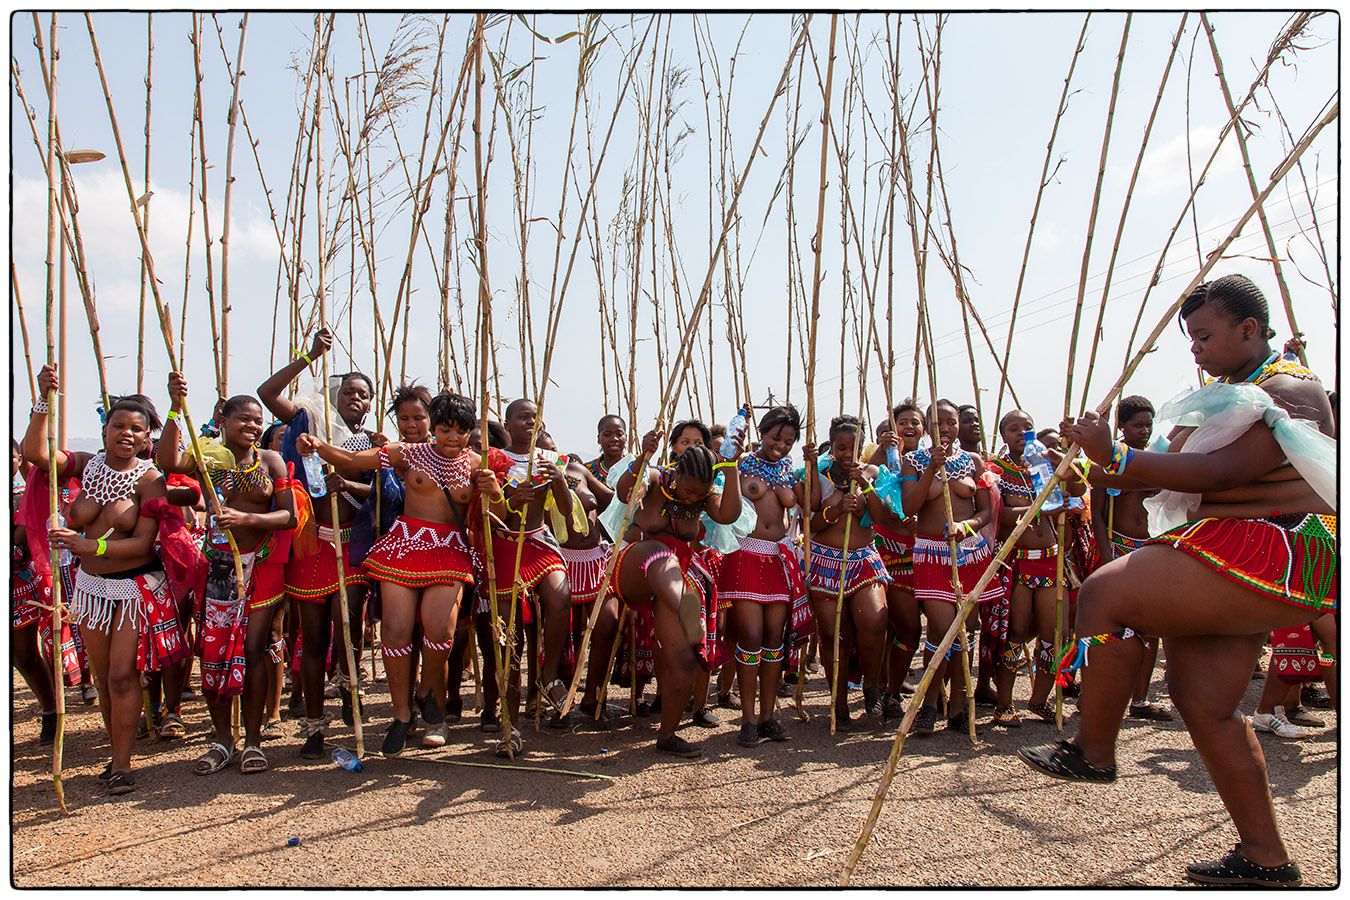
<point>216,758</point>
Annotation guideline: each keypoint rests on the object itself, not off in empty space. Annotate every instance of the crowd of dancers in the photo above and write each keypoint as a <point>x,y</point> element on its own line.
<point>708,553</point>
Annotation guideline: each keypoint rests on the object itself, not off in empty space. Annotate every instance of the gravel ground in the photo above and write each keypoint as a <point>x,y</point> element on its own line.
<point>780,814</point>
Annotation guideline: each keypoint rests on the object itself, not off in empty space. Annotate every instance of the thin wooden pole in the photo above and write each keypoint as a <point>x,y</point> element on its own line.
<point>1274,251</point>
<point>233,119</point>
<point>810,476</point>
<point>1047,176</point>
<point>54,519</point>
<point>140,314</point>
<point>23,332</point>
<point>206,212</point>
<point>1097,335</point>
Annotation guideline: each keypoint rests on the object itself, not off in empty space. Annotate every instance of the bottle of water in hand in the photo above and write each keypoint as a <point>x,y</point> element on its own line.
<point>735,432</point>
<point>214,532</point>
<point>1041,471</point>
<point>314,475</point>
<point>893,458</point>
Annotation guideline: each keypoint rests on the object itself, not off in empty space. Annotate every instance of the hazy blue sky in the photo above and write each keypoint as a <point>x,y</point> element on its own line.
<point>1000,81</point>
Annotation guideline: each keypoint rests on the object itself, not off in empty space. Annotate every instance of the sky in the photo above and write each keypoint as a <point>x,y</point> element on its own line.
<point>1000,81</point>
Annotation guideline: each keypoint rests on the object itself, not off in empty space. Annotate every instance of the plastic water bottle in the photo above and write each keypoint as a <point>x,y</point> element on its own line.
<point>314,475</point>
<point>1034,455</point>
<point>65,557</point>
<point>214,532</point>
<point>735,431</point>
<point>345,759</point>
<point>893,458</point>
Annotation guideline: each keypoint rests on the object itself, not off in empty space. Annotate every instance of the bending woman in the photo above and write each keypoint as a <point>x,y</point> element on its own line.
<point>1254,550</point>
<point>659,569</point>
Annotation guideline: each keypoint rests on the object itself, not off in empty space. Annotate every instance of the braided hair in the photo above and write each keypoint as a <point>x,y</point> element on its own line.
<point>1236,296</point>
<point>844,423</point>
<point>696,462</point>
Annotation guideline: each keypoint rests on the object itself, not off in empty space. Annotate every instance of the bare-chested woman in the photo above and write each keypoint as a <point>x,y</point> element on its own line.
<point>423,561</point>
<point>763,578</point>
<point>924,474</point>
<point>121,594</point>
<point>254,501</point>
<point>855,563</point>
<point>1256,552</point>
<point>895,543</point>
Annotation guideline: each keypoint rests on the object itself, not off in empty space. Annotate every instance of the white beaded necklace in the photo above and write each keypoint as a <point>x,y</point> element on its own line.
<point>448,473</point>
<point>104,484</point>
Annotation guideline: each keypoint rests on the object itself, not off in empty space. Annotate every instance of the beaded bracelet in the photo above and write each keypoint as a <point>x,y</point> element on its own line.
<point>1121,454</point>
<point>41,408</point>
<point>632,470</point>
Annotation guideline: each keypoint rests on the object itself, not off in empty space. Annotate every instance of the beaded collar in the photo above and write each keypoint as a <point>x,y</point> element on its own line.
<point>774,474</point>
<point>960,466</point>
<point>453,474</point>
<point>105,485</point>
<point>1016,479</point>
<point>598,468</point>
<point>241,480</point>
<point>670,507</point>
<point>1278,365</point>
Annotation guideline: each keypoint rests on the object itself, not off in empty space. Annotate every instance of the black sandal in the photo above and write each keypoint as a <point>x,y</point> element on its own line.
<point>1235,868</point>
<point>678,746</point>
<point>120,783</point>
<point>1065,761</point>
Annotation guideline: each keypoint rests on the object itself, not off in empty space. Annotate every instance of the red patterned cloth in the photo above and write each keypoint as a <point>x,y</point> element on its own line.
<point>1294,655</point>
<point>537,559</point>
<point>138,597</point>
<point>312,578</point>
<point>933,568</point>
<point>27,587</point>
<point>897,554</point>
<point>1289,558</point>
<point>761,572</point>
<point>416,554</point>
<point>696,577</point>
<point>222,623</point>
<point>1033,568</point>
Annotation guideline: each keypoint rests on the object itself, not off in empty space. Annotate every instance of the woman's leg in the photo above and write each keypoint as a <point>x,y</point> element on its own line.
<point>398,609</point>
<point>1324,629</point>
<point>123,690</point>
<point>1019,629</point>
<point>1157,591</point>
<point>97,648</point>
<point>257,666</point>
<point>940,616</point>
<point>605,633</point>
<point>276,669</point>
<point>867,613</point>
<point>26,657</point>
<point>750,631</point>
<point>440,610</point>
<point>1046,603</point>
<point>317,627</point>
<point>774,635</point>
<point>822,608</point>
<point>903,612</point>
<point>1207,678</point>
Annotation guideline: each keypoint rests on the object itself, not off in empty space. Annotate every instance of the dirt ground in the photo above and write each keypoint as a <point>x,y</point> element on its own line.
<point>780,814</point>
